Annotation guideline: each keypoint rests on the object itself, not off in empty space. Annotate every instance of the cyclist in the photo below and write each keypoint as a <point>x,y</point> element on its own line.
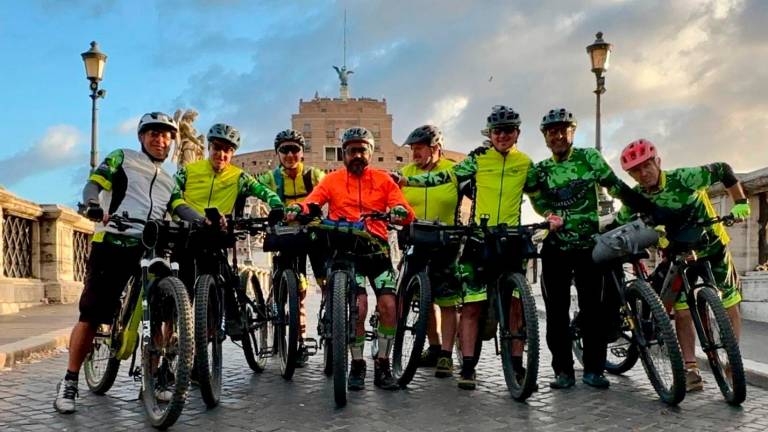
<point>498,172</point>
<point>126,181</point>
<point>293,181</point>
<point>216,183</point>
<point>438,203</point>
<point>350,192</point>
<point>563,189</point>
<point>685,190</point>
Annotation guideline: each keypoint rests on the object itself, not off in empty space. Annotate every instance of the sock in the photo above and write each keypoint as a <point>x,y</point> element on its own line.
<point>434,348</point>
<point>469,363</point>
<point>386,340</point>
<point>71,376</point>
<point>445,353</point>
<point>356,349</point>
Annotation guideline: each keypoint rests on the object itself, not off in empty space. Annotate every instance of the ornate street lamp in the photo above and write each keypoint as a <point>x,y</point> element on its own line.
<point>94,61</point>
<point>599,55</point>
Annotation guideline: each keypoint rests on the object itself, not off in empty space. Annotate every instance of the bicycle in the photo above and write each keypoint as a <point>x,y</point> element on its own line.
<point>510,299</point>
<point>155,301</point>
<point>641,311</point>
<point>288,242</point>
<point>713,326</point>
<point>346,243</point>
<point>424,245</point>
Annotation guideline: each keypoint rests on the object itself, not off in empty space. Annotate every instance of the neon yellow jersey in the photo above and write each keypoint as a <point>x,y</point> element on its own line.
<point>436,203</point>
<point>199,186</point>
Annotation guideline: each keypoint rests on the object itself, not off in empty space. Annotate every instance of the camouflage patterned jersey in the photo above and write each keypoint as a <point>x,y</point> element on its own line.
<point>568,188</point>
<point>686,189</point>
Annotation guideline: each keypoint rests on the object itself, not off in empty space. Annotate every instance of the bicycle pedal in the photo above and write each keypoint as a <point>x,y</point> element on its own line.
<point>310,346</point>
<point>369,335</point>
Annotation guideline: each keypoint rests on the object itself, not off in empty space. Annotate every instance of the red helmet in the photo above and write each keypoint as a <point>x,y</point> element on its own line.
<point>636,153</point>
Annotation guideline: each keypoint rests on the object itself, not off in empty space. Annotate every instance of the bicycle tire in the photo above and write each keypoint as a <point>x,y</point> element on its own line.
<point>521,384</point>
<point>105,344</point>
<point>254,332</point>
<point>652,325</point>
<point>208,341</point>
<point>287,299</point>
<point>100,383</point>
<point>168,300</point>
<point>622,353</point>
<point>414,300</point>
<point>340,336</point>
<point>734,390</point>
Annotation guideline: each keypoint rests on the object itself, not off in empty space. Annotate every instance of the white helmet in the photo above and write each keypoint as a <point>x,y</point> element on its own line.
<point>157,120</point>
<point>226,133</point>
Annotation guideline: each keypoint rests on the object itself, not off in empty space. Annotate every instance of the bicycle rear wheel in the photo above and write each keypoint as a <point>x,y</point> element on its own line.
<point>720,346</point>
<point>414,304</point>
<point>101,365</point>
<point>167,351</point>
<point>518,335</point>
<point>208,338</point>
<point>287,326</point>
<point>340,330</point>
<point>255,327</point>
<point>622,353</point>
<point>656,342</point>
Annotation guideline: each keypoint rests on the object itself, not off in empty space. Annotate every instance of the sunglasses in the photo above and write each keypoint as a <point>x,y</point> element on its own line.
<point>289,149</point>
<point>504,129</point>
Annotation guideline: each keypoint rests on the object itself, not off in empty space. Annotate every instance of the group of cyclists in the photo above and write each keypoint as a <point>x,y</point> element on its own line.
<point>495,176</point>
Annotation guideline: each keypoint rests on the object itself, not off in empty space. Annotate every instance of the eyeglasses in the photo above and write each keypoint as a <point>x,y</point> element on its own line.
<point>504,129</point>
<point>351,151</point>
<point>558,130</point>
<point>160,134</point>
<point>289,149</point>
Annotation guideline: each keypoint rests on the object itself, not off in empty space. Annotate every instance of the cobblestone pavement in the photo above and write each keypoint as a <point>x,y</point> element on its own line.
<point>265,402</point>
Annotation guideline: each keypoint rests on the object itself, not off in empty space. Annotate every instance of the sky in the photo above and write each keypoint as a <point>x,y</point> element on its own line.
<point>690,75</point>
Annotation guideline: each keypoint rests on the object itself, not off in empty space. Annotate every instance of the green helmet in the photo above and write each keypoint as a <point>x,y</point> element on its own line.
<point>427,134</point>
<point>502,115</point>
<point>358,134</point>
<point>226,133</point>
<point>558,115</point>
<point>291,135</point>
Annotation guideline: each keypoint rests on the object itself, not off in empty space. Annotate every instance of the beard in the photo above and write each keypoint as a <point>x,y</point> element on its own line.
<point>356,166</point>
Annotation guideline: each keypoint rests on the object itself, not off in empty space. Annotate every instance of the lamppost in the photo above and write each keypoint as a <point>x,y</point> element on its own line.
<point>599,55</point>
<point>94,61</point>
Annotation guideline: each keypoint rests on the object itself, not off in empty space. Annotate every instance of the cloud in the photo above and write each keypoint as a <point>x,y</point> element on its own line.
<point>689,75</point>
<point>59,147</point>
<point>128,126</point>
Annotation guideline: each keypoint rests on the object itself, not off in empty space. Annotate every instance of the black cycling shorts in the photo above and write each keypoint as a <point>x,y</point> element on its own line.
<point>108,269</point>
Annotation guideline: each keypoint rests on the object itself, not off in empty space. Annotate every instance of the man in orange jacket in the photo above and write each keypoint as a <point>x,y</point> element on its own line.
<point>350,192</point>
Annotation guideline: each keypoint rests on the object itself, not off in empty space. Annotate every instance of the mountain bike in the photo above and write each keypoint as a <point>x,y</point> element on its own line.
<point>641,312</point>
<point>499,256</point>
<point>346,242</point>
<point>428,249</point>
<point>156,302</point>
<point>710,319</point>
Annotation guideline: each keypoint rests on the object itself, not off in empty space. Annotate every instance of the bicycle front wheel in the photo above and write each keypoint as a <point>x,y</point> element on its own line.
<point>414,304</point>
<point>253,322</point>
<point>340,331</point>
<point>518,335</point>
<point>720,346</point>
<point>287,327</point>
<point>656,342</point>
<point>208,338</point>
<point>167,352</point>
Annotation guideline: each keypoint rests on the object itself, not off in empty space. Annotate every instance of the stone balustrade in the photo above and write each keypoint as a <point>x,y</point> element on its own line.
<point>44,248</point>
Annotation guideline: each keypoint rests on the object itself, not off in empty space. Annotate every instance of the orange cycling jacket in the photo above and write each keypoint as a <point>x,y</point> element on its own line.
<point>348,196</point>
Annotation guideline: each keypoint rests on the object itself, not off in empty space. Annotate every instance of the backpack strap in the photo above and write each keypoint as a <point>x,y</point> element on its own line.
<point>307,177</point>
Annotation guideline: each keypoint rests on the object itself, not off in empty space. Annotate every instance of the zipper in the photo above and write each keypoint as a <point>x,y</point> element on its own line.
<point>151,186</point>
<point>501,189</point>
<point>210,192</point>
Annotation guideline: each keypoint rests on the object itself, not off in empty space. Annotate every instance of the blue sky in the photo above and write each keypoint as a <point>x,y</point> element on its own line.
<point>689,74</point>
